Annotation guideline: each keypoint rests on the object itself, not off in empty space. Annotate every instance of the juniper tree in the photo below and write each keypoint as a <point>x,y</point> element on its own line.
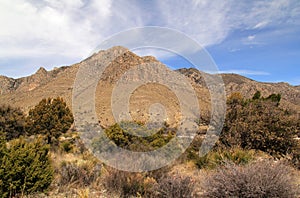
<point>51,117</point>
<point>25,167</point>
<point>12,122</point>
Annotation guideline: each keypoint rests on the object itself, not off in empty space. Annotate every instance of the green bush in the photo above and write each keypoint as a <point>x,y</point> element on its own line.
<point>257,95</point>
<point>260,124</point>
<point>260,179</point>
<point>12,122</point>
<point>25,167</point>
<point>220,157</point>
<point>51,117</point>
<point>66,146</point>
<point>122,138</point>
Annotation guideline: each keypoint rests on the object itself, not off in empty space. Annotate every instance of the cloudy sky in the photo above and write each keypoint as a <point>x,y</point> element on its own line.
<point>258,39</point>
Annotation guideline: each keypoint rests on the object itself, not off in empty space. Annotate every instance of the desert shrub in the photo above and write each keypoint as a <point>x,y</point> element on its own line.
<point>122,138</point>
<point>25,167</point>
<point>274,98</point>
<point>259,124</point>
<point>160,173</point>
<point>257,95</point>
<point>51,117</point>
<point>126,184</point>
<point>173,187</point>
<point>68,143</point>
<point>79,173</point>
<point>152,184</point>
<point>192,152</point>
<point>260,179</point>
<point>219,157</point>
<point>66,146</point>
<point>12,122</point>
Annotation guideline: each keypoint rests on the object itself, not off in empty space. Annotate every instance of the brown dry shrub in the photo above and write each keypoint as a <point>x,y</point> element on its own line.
<point>128,184</point>
<point>78,174</point>
<point>125,183</point>
<point>259,179</point>
<point>174,186</point>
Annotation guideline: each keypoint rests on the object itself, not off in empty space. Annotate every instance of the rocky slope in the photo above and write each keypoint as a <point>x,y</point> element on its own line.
<point>237,83</point>
<point>28,91</point>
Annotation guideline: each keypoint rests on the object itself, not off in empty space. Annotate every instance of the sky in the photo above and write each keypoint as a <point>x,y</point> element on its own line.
<point>258,39</point>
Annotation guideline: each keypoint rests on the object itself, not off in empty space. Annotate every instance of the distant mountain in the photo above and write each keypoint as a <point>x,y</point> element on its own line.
<point>40,78</point>
<point>247,87</point>
<point>28,91</point>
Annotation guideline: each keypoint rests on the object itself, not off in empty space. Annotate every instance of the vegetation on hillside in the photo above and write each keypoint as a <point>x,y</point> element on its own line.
<point>219,157</point>
<point>259,179</point>
<point>51,117</point>
<point>122,135</point>
<point>259,123</point>
<point>25,167</point>
<point>12,122</point>
<point>254,129</point>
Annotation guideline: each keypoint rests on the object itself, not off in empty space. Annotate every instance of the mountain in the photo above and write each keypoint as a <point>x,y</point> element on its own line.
<point>247,87</point>
<point>26,92</point>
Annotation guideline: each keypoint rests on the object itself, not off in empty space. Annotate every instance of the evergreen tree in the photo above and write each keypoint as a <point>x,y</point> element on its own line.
<point>51,117</point>
<point>12,122</point>
<point>25,167</point>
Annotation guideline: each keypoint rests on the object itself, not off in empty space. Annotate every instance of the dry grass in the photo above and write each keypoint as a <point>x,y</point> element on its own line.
<point>183,179</point>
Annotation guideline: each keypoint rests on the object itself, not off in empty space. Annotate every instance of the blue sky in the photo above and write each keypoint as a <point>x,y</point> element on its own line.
<point>257,39</point>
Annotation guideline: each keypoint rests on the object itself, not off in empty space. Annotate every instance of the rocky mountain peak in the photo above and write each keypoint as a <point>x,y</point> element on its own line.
<point>41,71</point>
<point>28,91</point>
<point>194,75</point>
<point>6,84</point>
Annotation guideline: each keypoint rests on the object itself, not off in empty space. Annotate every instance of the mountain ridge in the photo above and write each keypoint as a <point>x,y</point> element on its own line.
<point>26,92</point>
<point>56,70</point>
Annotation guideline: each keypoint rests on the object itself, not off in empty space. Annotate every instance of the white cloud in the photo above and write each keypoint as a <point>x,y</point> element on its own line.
<point>251,37</point>
<point>157,53</point>
<point>73,28</point>
<point>204,21</point>
<point>261,25</point>
<point>252,40</point>
<point>210,22</point>
<point>30,31</point>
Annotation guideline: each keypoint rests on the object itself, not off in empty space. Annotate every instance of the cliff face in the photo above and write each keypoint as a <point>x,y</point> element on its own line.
<point>25,84</point>
<point>7,85</point>
<point>28,91</point>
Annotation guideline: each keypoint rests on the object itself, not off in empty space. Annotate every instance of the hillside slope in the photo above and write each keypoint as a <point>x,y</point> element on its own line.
<point>28,91</point>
